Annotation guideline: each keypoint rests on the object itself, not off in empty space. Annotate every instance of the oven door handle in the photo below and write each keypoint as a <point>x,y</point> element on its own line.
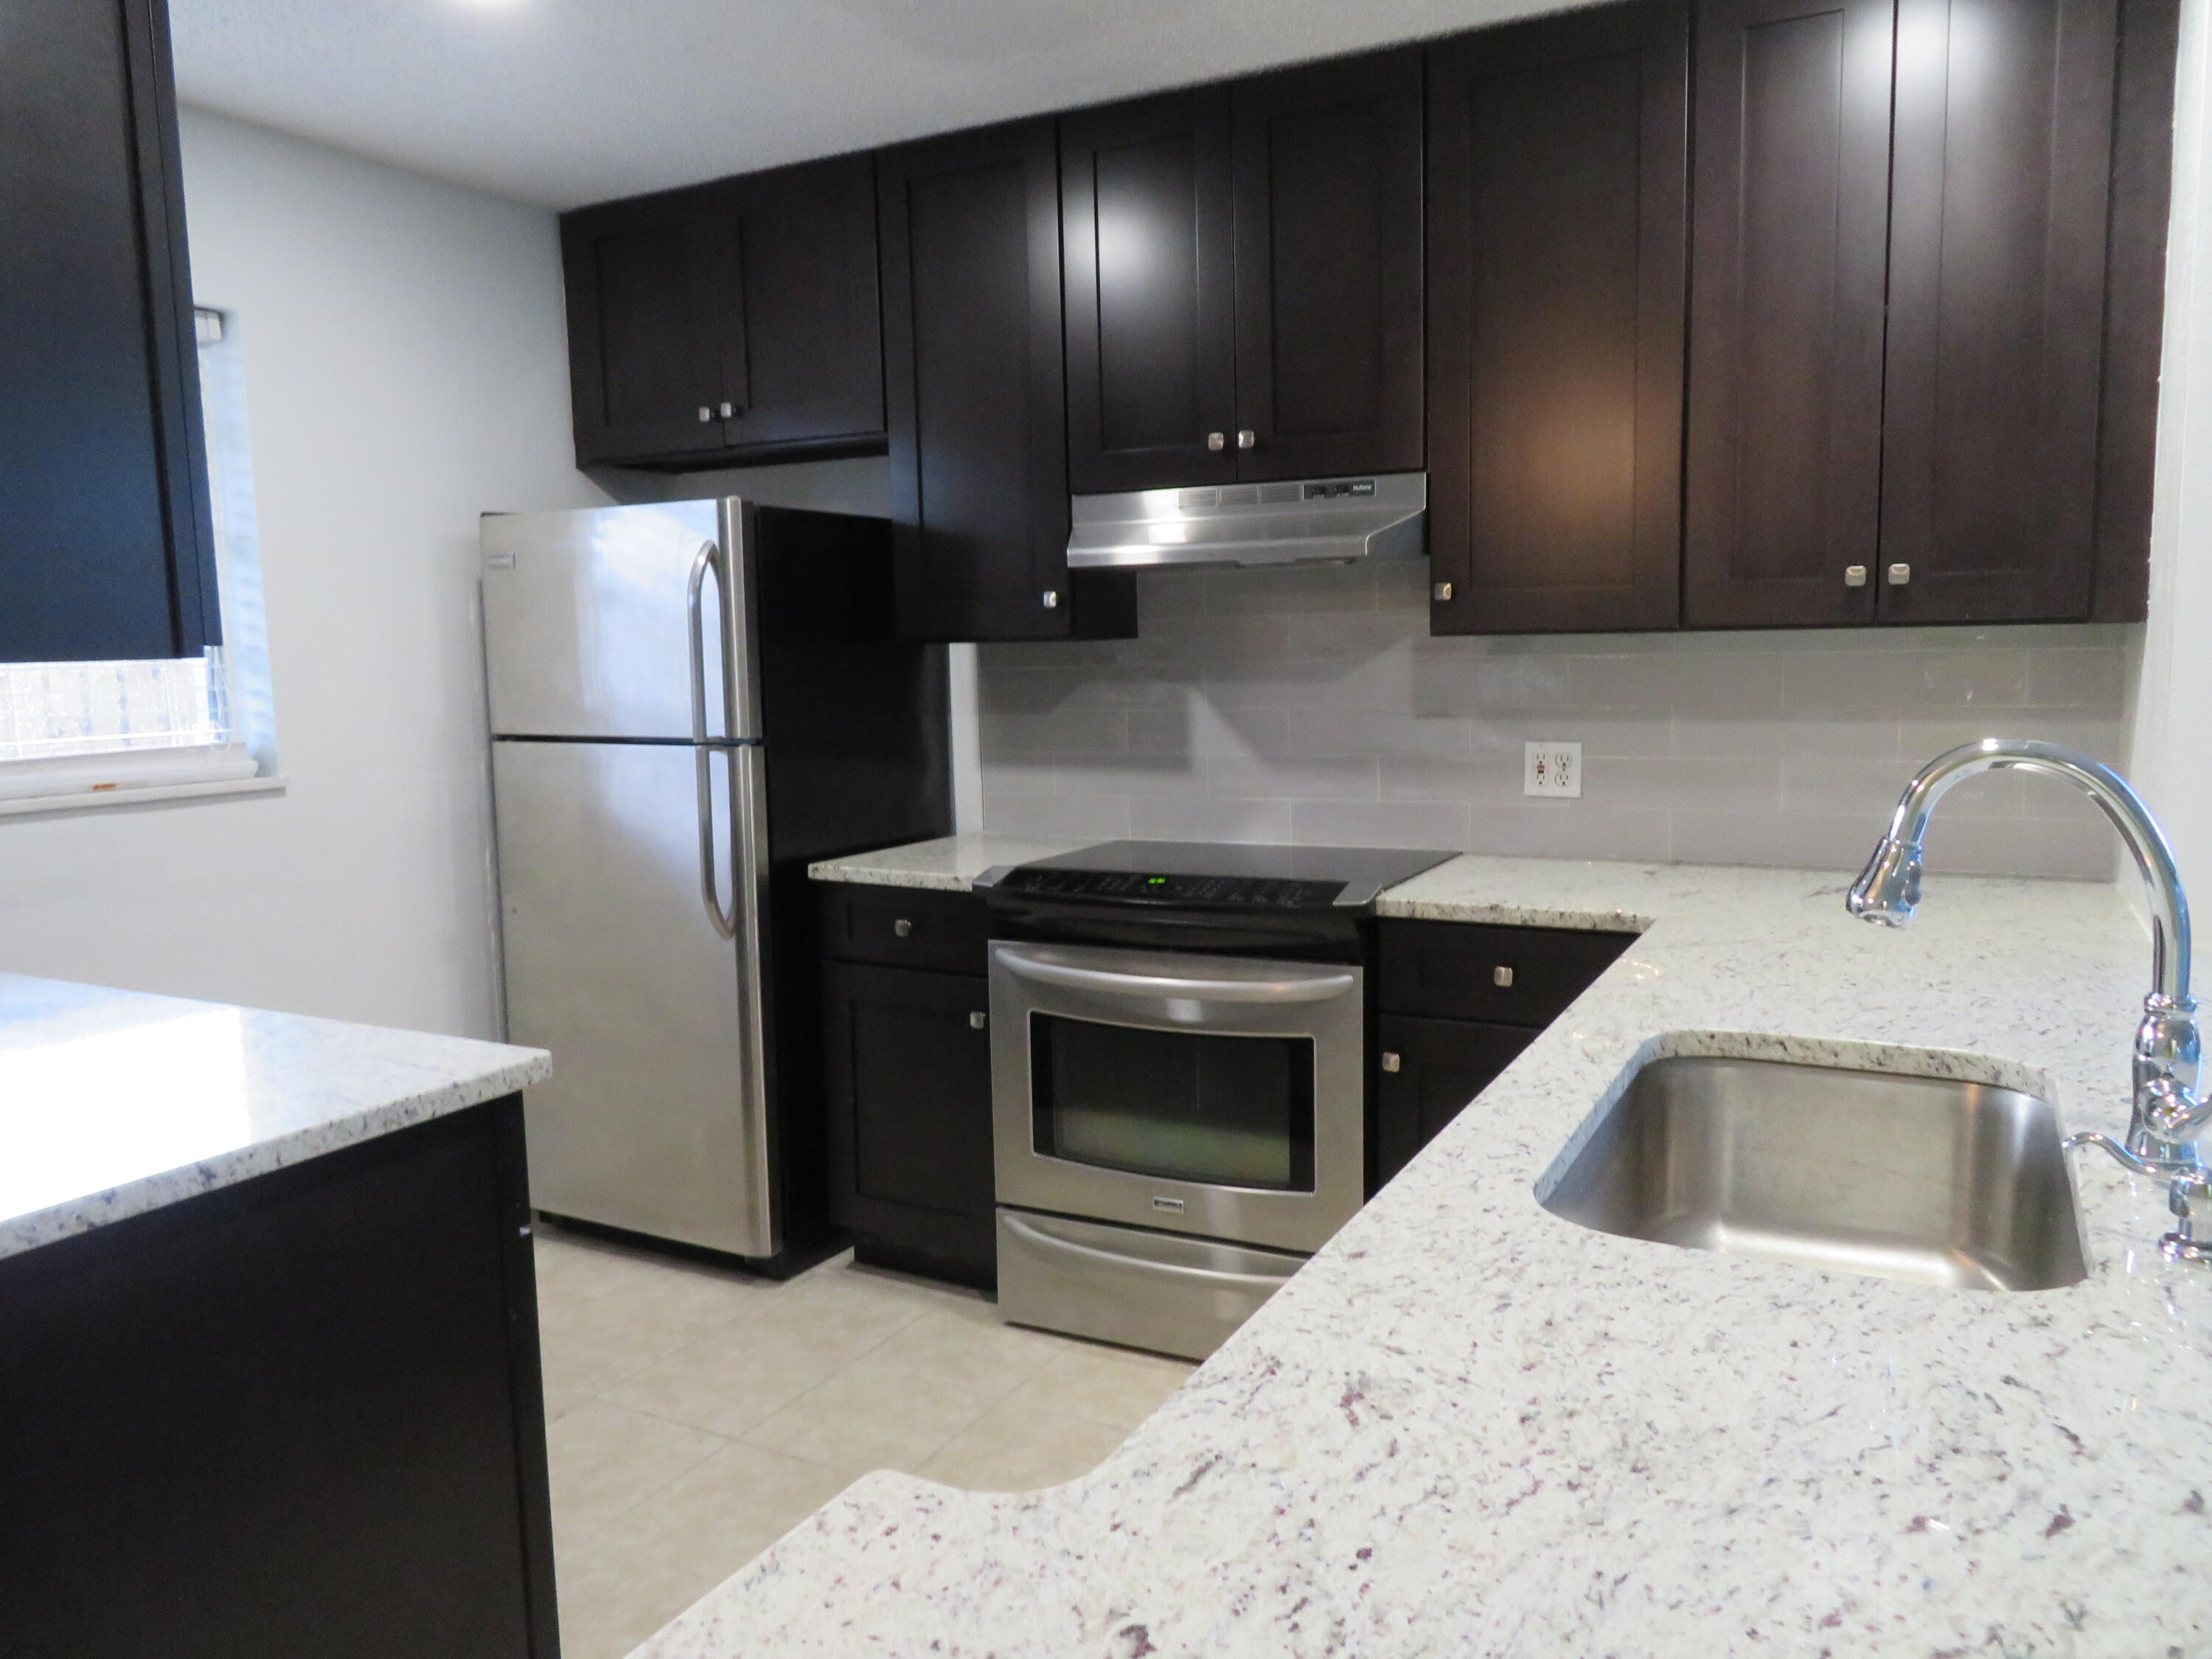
<point>1318,988</point>
<point>1036,1237</point>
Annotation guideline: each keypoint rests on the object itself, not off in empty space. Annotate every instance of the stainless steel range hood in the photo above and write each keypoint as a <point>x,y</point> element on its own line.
<point>1308,521</point>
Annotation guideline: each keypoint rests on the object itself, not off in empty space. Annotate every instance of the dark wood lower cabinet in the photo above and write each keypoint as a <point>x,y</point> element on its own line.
<point>298,1415</point>
<point>1426,1069</point>
<point>909,1101</point>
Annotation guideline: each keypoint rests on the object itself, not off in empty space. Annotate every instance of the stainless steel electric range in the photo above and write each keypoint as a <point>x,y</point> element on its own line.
<point>1178,1078</point>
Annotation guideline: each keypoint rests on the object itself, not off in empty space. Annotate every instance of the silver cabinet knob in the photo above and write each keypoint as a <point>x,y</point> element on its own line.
<point>1502,978</point>
<point>1391,1062</point>
<point>1247,439</point>
<point>705,414</point>
<point>1217,440</point>
<point>728,409</point>
<point>1441,592</point>
<point>1900,574</point>
<point>978,1020</point>
<point>1052,598</point>
<point>902,928</point>
<point>1855,576</point>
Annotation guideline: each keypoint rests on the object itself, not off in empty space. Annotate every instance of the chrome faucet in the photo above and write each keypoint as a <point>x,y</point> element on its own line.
<point>2168,1126</point>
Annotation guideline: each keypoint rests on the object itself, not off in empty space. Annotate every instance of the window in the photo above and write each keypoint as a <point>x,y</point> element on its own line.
<point>70,728</point>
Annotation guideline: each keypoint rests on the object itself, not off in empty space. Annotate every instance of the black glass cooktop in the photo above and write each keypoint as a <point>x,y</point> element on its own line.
<point>1227,875</point>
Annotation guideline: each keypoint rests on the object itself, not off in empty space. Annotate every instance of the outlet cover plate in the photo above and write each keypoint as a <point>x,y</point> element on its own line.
<point>1551,768</point>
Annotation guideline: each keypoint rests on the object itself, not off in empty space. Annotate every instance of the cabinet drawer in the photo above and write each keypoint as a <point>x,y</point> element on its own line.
<point>904,927</point>
<point>1512,975</point>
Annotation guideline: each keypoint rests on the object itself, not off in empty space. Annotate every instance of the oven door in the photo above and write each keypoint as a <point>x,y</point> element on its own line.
<point>1218,1096</point>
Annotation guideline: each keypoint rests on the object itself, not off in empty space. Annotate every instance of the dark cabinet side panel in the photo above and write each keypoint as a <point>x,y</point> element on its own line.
<point>1558,159</point>
<point>1144,212</point>
<point>975,395</point>
<point>798,314</point>
<point>106,546</point>
<point>300,1415</point>
<point>1789,252</point>
<point>1329,322</point>
<point>2134,305</point>
<point>1426,1071</point>
<point>910,1100</point>
<point>1998,219</point>
<point>645,375</point>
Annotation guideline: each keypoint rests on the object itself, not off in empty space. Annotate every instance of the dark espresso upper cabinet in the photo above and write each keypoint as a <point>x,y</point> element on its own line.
<point>1557,173</point>
<point>107,543</point>
<point>976,397</point>
<point>1788,255</point>
<point>733,322</point>
<point>1999,208</point>
<point>1243,279</point>
<point>1149,233</point>
<point>646,367</point>
<point>1329,268</point>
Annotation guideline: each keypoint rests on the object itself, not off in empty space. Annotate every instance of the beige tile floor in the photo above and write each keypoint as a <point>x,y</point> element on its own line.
<point>694,1415</point>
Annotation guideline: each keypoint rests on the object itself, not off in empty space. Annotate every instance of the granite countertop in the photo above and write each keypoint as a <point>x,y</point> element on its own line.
<point>116,1102</point>
<point>1468,1427</point>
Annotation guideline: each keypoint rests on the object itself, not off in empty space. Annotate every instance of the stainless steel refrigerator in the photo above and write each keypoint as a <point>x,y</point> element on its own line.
<point>690,702</point>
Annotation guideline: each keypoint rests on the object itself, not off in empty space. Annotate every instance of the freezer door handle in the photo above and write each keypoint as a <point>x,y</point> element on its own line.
<point>702,757</point>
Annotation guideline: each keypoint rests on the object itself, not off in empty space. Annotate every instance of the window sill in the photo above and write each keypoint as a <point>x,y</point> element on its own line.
<point>165,794</point>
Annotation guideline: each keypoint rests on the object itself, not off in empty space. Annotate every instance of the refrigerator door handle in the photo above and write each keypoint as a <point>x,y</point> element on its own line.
<point>702,757</point>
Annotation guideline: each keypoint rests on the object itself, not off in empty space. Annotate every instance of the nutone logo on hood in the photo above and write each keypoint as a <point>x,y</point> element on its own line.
<point>1306,521</point>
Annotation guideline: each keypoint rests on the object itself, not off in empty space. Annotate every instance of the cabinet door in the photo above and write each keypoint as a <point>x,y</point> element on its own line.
<point>909,1070</point>
<point>1557,173</point>
<point>975,393</point>
<point>1144,212</point>
<point>1329,268</point>
<point>1996,294</point>
<point>106,548</point>
<point>796,311</point>
<point>1788,248</point>
<point>1426,1069</point>
<point>644,361</point>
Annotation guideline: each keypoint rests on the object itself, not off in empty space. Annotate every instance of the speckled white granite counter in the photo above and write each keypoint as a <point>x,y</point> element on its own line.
<point>116,1102</point>
<point>1470,1428</point>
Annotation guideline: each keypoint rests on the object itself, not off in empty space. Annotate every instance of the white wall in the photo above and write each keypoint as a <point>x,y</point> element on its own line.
<point>2173,708</point>
<point>406,369</point>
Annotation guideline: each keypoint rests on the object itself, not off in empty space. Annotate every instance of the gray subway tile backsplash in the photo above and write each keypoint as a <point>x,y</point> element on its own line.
<point>1312,706</point>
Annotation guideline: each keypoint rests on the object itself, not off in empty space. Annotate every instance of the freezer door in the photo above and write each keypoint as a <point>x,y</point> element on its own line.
<point>655,1118</point>
<point>587,619</point>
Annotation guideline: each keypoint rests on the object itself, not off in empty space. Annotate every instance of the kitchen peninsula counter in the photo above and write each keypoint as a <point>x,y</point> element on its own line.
<point>271,1384</point>
<point>1468,1427</point>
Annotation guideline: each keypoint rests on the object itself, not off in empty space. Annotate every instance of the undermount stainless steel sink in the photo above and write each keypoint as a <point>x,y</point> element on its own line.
<point>1926,1179</point>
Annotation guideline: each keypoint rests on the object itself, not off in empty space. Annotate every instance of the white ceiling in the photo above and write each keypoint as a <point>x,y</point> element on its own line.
<point>566,101</point>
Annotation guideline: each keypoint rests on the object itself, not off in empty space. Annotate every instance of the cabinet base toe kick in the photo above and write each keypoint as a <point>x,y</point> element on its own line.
<point>1165,1291</point>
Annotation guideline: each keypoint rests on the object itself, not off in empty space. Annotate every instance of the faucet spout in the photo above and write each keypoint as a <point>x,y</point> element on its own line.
<point>2169,1118</point>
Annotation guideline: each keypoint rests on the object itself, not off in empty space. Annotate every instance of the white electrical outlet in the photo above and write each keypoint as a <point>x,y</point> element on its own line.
<point>1552,768</point>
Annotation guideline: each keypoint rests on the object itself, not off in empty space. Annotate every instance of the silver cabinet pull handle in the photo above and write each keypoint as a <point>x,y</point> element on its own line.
<point>725,921</point>
<point>1217,440</point>
<point>1320,988</point>
<point>978,1020</point>
<point>1392,1062</point>
<point>1900,574</point>
<point>1442,592</point>
<point>1502,978</point>
<point>728,409</point>
<point>1247,439</point>
<point>1051,599</point>
<point>705,414</point>
<point>902,928</point>
<point>1855,576</point>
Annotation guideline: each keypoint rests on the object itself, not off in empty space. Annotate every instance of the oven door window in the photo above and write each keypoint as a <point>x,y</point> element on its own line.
<point>1225,1111</point>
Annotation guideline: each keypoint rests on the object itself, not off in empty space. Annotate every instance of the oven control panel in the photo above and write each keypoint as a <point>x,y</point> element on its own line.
<point>1128,887</point>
